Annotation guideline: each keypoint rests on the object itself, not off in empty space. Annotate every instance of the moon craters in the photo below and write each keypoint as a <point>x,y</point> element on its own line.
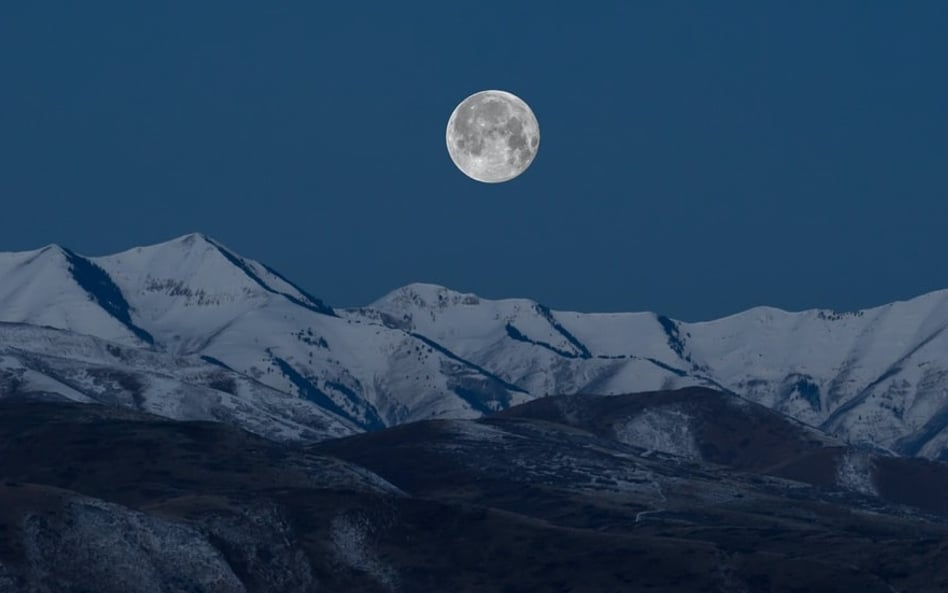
<point>492,136</point>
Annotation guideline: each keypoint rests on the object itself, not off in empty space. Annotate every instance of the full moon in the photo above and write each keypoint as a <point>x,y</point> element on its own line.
<point>492,136</point>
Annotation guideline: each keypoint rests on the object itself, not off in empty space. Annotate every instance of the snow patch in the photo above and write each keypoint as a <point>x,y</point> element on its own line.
<point>854,472</point>
<point>667,430</point>
<point>478,431</point>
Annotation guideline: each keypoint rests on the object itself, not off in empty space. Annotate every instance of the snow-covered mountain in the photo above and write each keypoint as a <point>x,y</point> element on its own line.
<point>192,308</point>
<point>875,377</point>
<point>193,298</point>
<point>46,363</point>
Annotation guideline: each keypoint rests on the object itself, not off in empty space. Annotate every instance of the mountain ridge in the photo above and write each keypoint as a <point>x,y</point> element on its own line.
<point>113,499</point>
<point>876,377</point>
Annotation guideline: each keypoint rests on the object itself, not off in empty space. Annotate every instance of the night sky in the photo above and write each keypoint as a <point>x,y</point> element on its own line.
<point>696,158</point>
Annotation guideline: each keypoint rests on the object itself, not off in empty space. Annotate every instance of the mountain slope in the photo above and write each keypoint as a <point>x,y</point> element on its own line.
<point>877,378</point>
<point>567,476</point>
<point>194,297</point>
<point>55,287</point>
<point>708,426</point>
<point>112,500</point>
<point>45,363</point>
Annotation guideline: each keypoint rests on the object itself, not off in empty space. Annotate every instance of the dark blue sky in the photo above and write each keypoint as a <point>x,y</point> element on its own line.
<point>696,158</point>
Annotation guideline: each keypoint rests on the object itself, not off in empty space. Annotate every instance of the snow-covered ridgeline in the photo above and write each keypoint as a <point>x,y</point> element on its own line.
<point>878,376</point>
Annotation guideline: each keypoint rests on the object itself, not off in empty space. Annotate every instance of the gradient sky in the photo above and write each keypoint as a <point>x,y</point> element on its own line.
<point>696,158</point>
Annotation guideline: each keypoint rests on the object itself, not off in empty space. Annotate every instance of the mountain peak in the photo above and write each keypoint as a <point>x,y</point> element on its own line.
<point>197,269</point>
<point>184,243</point>
<point>56,287</point>
<point>193,237</point>
<point>874,376</point>
<point>18,258</point>
<point>425,295</point>
<point>189,239</point>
